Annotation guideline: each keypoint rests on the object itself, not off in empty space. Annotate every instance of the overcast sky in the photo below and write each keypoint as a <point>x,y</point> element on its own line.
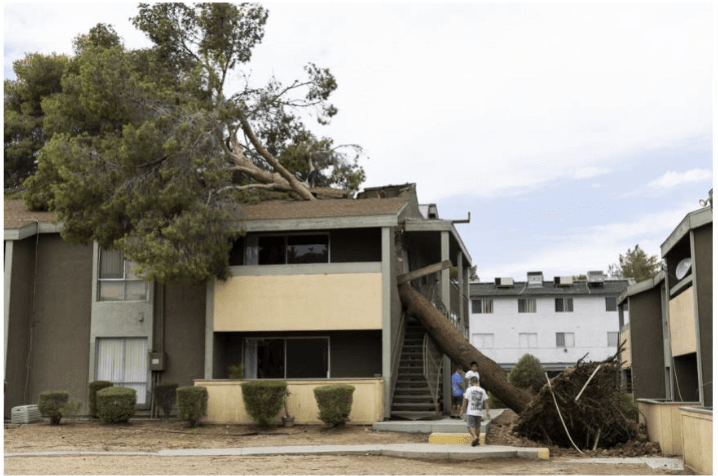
<point>570,132</point>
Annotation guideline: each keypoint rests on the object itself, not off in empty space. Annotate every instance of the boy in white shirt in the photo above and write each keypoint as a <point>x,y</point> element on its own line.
<point>474,372</point>
<point>474,398</point>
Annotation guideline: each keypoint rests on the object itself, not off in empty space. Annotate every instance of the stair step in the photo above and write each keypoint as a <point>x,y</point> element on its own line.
<point>417,407</point>
<point>418,399</point>
<point>417,415</point>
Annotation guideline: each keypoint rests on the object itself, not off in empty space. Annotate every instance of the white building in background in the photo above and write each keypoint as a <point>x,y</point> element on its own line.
<point>558,321</point>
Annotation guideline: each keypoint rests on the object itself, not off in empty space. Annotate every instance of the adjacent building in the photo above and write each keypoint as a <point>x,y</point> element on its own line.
<point>311,299</point>
<point>558,321</point>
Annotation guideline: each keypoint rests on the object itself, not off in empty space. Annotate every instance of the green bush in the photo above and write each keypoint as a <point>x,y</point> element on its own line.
<point>628,406</point>
<point>192,404</point>
<point>335,403</point>
<point>165,396</point>
<point>236,371</point>
<point>116,404</point>
<point>264,399</point>
<point>95,387</point>
<point>51,403</point>
<point>527,374</point>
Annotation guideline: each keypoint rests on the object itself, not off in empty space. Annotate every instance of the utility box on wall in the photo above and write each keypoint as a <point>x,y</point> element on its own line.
<point>157,361</point>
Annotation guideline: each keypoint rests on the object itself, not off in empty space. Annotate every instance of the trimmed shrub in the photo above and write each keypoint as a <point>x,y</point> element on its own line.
<point>95,387</point>
<point>527,374</point>
<point>264,399</point>
<point>165,396</point>
<point>192,404</point>
<point>235,371</point>
<point>335,403</point>
<point>51,403</point>
<point>116,404</point>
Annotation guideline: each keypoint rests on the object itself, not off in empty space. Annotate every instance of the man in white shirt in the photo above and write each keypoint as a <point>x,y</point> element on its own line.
<point>474,372</point>
<point>474,399</point>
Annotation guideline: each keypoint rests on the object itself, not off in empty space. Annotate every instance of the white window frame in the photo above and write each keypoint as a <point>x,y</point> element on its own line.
<point>565,339</point>
<point>529,305</point>
<point>99,375</point>
<point>126,279</point>
<point>531,339</point>
<point>483,341</point>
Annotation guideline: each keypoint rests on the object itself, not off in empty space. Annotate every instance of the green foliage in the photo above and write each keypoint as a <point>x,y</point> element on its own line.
<point>71,408</point>
<point>192,404</point>
<point>165,395</point>
<point>116,404</point>
<point>628,406</point>
<point>141,151</point>
<point>236,371</point>
<point>527,373</point>
<point>264,399</point>
<point>51,404</point>
<point>635,264</point>
<point>335,403</point>
<point>94,387</point>
<point>37,77</point>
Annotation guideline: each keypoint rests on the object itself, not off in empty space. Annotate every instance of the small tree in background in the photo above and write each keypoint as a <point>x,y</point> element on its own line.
<point>635,264</point>
<point>527,374</point>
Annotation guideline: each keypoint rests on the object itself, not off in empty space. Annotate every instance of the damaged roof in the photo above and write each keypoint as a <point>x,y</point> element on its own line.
<point>17,215</point>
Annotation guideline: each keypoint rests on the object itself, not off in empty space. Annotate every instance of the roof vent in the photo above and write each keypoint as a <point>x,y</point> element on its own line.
<point>535,279</point>
<point>563,280</point>
<point>504,282</point>
<point>596,278</point>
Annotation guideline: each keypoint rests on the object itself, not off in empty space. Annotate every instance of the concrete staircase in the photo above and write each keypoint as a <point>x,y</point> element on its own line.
<point>412,397</point>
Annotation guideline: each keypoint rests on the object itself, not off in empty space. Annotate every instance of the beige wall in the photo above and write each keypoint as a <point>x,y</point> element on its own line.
<point>626,351</point>
<point>683,324</point>
<point>663,421</point>
<point>298,302</point>
<point>226,405</point>
<point>698,439</point>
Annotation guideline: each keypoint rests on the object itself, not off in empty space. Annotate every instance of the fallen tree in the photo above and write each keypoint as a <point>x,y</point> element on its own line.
<point>459,349</point>
<point>580,408</point>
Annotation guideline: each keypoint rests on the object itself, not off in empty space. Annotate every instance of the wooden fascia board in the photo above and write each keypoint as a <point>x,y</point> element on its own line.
<point>291,224</point>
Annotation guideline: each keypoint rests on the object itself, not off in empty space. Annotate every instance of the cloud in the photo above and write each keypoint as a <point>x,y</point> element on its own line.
<point>674,179</point>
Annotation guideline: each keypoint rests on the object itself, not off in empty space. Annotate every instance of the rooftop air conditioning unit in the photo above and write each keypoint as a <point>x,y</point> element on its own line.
<point>596,277</point>
<point>504,282</point>
<point>563,280</point>
<point>25,414</point>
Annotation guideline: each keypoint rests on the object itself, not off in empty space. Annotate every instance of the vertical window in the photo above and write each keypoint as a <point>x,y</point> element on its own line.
<point>564,339</point>
<point>124,363</point>
<point>116,279</point>
<point>611,304</point>
<point>482,341</point>
<point>613,339</point>
<point>482,306</point>
<point>527,305</point>
<point>564,304</point>
<point>528,340</point>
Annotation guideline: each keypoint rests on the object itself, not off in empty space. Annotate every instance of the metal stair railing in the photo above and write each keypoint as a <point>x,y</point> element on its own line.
<point>432,358</point>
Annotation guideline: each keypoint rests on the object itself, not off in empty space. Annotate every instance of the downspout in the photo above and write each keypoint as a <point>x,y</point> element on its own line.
<point>28,362</point>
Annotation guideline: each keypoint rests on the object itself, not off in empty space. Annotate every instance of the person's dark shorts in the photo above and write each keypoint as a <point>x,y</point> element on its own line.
<point>473,421</point>
<point>457,399</point>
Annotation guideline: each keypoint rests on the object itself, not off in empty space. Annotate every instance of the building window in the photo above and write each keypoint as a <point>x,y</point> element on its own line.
<point>116,279</point>
<point>482,341</point>
<point>564,304</point>
<point>302,357</point>
<point>124,363</point>
<point>613,339</point>
<point>565,339</point>
<point>611,304</point>
<point>527,305</point>
<point>287,249</point>
<point>482,306</point>
<point>528,340</point>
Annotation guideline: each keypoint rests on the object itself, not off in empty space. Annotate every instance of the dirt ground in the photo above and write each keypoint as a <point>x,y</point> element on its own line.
<point>152,436</point>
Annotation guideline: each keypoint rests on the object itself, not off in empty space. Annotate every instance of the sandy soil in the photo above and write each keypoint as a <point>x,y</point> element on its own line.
<point>150,436</point>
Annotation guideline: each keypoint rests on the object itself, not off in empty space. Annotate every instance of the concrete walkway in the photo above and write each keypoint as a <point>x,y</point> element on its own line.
<point>406,450</point>
<point>444,425</point>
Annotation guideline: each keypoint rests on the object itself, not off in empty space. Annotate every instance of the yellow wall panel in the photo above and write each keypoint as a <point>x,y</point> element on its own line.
<point>298,302</point>
<point>683,324</point>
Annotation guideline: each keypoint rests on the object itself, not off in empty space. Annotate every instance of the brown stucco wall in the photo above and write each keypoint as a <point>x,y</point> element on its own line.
<point>647,345</point>
<point>184,334</point>
<point>59,302</point>
<point>23,260</point>
<point>703,238</point>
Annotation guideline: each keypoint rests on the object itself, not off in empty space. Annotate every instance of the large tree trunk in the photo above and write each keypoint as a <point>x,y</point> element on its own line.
<point>460,350</point>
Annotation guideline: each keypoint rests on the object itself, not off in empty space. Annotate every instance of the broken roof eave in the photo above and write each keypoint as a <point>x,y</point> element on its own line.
<point>414,224</point>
